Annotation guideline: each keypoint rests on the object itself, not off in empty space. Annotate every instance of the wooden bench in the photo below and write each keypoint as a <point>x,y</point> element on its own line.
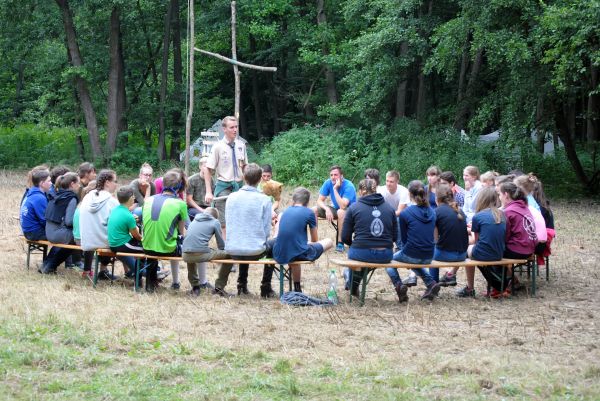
<point>284,272</point>
<point>368,269</point>
<point>41,246</point>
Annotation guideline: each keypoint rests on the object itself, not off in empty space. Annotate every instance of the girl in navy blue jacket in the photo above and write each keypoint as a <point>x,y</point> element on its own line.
<point>417,224</point>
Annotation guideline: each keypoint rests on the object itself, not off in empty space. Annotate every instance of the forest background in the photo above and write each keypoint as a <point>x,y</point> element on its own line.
<point>364,83</point>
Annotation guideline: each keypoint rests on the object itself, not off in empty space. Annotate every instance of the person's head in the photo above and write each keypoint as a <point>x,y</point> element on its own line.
<point>301,196</point>
<point>68,181</point>
<point>470,174</point>
<point>373,174</point>
<point>125,196</point>
<point>516,172</point>
<point>230,127</point>
<point>173,181</point>
<point>392,179</point>
<point>448,178</point>
<point>33,170</point>
<point>335,173</point>
<point>211,211</point>
<point>526,182</point>
<point>445,196</point>
<point>87,172</point>
<point>487,198</point>
<point>146,172</point>
<point>183,178</point>
<point>367,186</point>
<point>57,172</point>
<point>499,180</point>
<point>417,193</point>
<point>509,192</point>
<point>267,172</point>
<point>252,174</point>
<point>488,178</point>
<point>433,175</point>
<point>540,196</point>
<point>106,181</point>
<point>41,179</point>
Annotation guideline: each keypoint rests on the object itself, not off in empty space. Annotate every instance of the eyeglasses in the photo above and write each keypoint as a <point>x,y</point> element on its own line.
<point>147,174</point>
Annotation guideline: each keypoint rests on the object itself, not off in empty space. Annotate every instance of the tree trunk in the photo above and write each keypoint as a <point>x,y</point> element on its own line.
<point>401,91</point>
<point>464,108</point>
<point>236,72</point>
<point>116,85</point>
<point>80,82</point>
<point>540,133</point>
<point>273,107</point>
<point>421,95</point>
<point>178,78</point>
<point>593,109</point>
<point>18,104</point>
<point>151,68</point>
<point>164,71</point>
<point>332,93</point>
<point>562,117</point>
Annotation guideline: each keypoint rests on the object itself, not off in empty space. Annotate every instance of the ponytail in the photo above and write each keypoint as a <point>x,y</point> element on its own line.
<point>418,194</point>
<point>445,196</point>
<point>103,177</point>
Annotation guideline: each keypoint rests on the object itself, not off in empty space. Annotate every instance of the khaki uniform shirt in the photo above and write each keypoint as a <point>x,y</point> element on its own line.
<point>220,160</point>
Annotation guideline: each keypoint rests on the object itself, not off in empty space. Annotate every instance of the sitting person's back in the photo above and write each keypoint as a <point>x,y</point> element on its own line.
<point>94,211</point>
<point>33,208</point>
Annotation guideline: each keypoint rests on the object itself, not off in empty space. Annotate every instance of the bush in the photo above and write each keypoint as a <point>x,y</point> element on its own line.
<point>302,156</point>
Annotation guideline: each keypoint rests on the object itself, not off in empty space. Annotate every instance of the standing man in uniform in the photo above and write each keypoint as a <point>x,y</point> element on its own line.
<point>227,158</point>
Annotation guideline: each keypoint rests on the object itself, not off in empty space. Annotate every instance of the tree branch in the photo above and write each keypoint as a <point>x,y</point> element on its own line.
<point>235,62</point>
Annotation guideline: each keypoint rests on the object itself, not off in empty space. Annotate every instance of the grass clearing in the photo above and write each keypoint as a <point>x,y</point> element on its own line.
<point>62,340</point>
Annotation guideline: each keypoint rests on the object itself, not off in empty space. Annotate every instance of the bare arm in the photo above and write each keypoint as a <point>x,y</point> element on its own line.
<point>191,203</point>
<point>207,174</point>
<point>314,237</point>
<point>401,207</point>
<point>135,233</point>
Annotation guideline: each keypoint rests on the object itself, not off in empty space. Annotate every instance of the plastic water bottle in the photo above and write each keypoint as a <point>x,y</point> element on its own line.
<point>332,290</point>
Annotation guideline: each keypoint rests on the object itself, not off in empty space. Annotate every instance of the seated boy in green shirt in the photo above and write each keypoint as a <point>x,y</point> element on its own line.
<point>123,233</point>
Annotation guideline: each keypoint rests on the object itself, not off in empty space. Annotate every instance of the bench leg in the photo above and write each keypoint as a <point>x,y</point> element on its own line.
<point>533,277</point>
<point>281,278</point>
<point>365,280</point>
<point>547,268</point>
<point>96,263</point>
<point>28,255</point>
<point>350,283</point>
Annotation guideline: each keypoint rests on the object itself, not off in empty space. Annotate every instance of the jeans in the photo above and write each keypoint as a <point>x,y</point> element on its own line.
<point>421,272</point>
<point>398,240</point>
<point>369,256</point>
<point>445,256</point>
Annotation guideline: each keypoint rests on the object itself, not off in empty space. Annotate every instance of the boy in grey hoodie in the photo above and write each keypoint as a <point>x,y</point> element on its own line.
<point>196,251</point>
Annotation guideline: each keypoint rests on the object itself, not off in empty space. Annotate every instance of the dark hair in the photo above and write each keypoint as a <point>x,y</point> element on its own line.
<point>514,192</point>
<point>85,168</point>
<point>444,195</point>
<point>65,180</point>
<point>266,168</point>
<point>301,195</point>
<point>252,174</point>
<point>103,176</point>
<point>373,174</point>
<point>124,194</point>
<point>487,198</point>
<point>433,170</point>
<point>39,176</point>
<point>448,176</point>
<point>368,185</point>
<point>417,193</point>
<point>57,172</point>
<point>516,172</point>
<point>336,167</point>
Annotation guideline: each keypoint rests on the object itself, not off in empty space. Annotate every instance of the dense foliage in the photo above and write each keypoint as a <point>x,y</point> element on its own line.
<point>410,74</point>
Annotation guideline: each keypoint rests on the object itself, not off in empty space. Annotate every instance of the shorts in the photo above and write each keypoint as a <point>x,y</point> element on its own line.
<point>321,212</point>
<point>313,253</point>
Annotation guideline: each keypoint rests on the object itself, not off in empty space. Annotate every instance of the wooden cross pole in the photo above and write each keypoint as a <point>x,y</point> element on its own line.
<point>233,60</point>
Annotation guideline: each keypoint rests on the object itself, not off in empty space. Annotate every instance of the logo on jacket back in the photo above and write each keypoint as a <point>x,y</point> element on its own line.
<point>376,224</point>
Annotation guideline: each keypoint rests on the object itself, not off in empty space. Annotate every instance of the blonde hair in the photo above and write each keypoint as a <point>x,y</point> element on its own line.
<point>367,186</point>
<point>526,182</point>
<point>473,171</point>
<point>489,177</point>
<point>487,198</point>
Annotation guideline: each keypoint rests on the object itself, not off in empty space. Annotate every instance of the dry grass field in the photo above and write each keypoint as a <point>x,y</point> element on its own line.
<point>61,339</point>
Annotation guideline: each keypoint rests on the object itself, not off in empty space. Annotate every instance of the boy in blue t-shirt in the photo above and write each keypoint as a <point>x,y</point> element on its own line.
<point>342,194</point>
<point>291,243</point>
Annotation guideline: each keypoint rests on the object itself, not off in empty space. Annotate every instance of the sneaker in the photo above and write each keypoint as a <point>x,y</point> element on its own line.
<point>401,290</point>
<point>411,281</point>
<point>448,280</point>
<point>75,266</point>
<point>130,275</point>
<point>175,286</point>
<point>106,275</point>
<point>47,270</point>
<point>220,292</point>
<point>243,289</point>
<point>233,269</point>
<point>162,274</point>
<point>494,293</point>
<point>267,292</point>
<point>195,291</point>
<point>339,248</point>
<point>87,274</point>
<point>465,292</point>
<point>431,292</point>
